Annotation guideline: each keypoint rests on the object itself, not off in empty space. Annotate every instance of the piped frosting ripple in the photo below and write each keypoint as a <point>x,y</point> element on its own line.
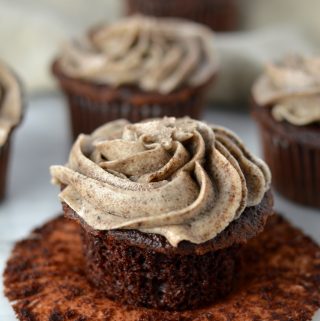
<point>152,54</point>
<point>180,178</point>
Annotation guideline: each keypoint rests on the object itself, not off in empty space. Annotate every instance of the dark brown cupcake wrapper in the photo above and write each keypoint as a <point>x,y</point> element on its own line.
<point>293,160</point>
<point>295,168</point>
<point>4,164</point>
<point>91,105</point>
<point>86,115</point>
<point>219,15</point>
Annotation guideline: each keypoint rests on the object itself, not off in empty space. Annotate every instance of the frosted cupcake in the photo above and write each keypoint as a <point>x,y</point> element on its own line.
<point>287,109</point>
<point>10,117</point>
<point>137,68</point>
<point>164,206</point>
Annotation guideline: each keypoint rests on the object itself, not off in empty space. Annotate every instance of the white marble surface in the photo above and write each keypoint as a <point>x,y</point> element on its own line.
<point>43,140</point>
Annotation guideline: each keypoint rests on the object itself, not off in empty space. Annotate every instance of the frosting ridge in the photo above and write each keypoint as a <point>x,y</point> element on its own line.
<point>151,53</point>
<point>179,178</point>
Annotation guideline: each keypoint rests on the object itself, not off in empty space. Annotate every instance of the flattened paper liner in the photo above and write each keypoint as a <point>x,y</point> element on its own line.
<point>44,279</point>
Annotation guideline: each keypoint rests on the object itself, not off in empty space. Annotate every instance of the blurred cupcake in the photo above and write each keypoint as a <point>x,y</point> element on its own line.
<point>219,15</point>
<point>287,108</point>
<point>164,206</point>
<point>136,68</point>
<point>10,117</point>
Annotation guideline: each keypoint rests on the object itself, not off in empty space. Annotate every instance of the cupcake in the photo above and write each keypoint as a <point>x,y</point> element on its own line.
<point>164,208</point>
<point>220,15</point>
<point>286,107</point>
<point>10,117</point>
<point>137,68</point>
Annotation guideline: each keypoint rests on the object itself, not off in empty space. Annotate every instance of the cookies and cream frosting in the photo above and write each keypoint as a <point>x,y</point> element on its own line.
<point>10,103</point>
<point>292,89</point>
<point>179,178</point>
<point>153,54</point>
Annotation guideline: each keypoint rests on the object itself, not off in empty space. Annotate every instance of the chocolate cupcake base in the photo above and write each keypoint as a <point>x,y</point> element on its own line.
<point>4,164</point>
<point>280,280</point>
<point>91,105</point>
<point>219,15</point>
<point>293,155</point>
<point>178,282</point>
<point>152,273</point>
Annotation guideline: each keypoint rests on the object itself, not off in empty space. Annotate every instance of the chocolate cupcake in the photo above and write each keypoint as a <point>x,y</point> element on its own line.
<point>164,206</point>
<point>137,68</point>
<point>220,15</point>
<point>10,117</point>
<point>287,109</point>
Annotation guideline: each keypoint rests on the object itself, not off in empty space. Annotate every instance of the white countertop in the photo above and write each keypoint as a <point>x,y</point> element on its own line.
<point>43,140</point>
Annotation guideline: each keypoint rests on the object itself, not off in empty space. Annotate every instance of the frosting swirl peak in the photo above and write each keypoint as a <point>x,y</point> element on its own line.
<point>179,178</point>
<point>150,53</point>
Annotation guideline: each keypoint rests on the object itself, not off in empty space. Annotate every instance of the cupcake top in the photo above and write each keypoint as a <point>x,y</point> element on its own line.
<point>292,89</point>
<point>10,102</point>
<point>153,54</point>
<point>180,178</point>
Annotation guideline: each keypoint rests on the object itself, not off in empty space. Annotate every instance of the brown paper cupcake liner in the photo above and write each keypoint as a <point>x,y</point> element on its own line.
<point>45,280</point>
<point>4,164</point>
<point>293,156</point>
<point>219,15</point>
<point>91,106</point>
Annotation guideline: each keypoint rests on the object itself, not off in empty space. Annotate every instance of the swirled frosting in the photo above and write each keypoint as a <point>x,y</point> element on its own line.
<point>10,103</point>
<point>179,178</point>
<point>298,111</point>
<point>153,54</point>
<point>292,89</point>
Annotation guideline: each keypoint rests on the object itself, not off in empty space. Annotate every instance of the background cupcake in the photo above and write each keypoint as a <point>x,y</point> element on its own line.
<point>166,249</point>
<point>137,68</point>
<point>10,117</point>
<point>220,15</point>
<point>287,109</point>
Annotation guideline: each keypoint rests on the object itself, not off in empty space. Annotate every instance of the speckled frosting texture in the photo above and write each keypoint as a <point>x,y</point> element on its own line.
<point>292,89</point>
<point>10,103</point>
<point>153,54</point>
<point>179,178</point>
